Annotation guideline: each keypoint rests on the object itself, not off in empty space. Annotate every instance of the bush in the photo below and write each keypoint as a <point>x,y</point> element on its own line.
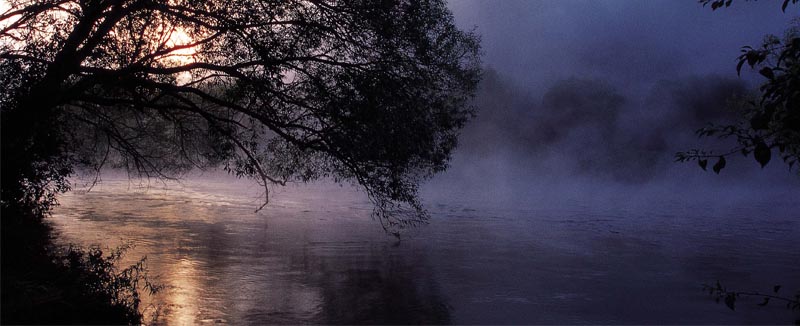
<point>43,283</point>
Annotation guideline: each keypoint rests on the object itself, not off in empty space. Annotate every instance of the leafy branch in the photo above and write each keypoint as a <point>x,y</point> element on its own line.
<point>770,123</point>
<point>720,293</point>
<point>717,4</point>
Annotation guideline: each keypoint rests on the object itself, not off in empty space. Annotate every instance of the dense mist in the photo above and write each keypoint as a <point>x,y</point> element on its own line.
<point>594,98</point>
<point>587,127</point>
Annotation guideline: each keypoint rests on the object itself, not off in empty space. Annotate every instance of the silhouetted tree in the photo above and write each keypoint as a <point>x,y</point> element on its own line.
<point>366,91</point>
<point>769,123</point>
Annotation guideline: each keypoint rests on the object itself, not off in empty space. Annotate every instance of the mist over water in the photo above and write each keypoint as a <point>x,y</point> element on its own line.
<point>584,141</point>
<point>562,204</point>
<point>589,99</point>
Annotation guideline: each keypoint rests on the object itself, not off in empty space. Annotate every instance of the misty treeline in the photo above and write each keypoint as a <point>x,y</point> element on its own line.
<point>591,127</point>
<point>368,92</point>
<point>588,127</point>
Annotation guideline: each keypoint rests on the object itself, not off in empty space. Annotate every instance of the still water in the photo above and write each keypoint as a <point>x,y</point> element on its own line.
<point>313,255</point>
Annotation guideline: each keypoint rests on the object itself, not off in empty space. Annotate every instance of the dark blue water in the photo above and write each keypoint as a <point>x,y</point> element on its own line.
<point>315,256</point>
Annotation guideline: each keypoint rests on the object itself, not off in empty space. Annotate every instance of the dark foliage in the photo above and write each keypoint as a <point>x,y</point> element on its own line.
<point>43,283</point>
<point>769,124</point>
<point>721,294</point>
<point>372,92</point>
<point>716,4</point>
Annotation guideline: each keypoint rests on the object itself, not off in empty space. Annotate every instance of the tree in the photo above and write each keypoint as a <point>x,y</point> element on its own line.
<point>366,91</point>
<point>770,122</point>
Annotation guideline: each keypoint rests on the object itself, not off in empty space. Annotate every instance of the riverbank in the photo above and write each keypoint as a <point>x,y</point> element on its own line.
<point>43,283</point>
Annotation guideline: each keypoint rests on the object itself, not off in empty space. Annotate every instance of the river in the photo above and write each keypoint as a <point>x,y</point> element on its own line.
<point>313,255</point>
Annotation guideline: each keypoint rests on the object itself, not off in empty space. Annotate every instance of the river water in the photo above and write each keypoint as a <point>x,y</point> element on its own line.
<point>313,255</point>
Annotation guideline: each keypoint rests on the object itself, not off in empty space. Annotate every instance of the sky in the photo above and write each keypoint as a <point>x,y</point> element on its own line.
<point>583,95</point>
<point>629,42</point>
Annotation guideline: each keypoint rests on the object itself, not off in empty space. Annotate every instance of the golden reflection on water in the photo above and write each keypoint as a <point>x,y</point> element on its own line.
<point>158,224</point>
<point>195,240</point>
<point>181,301</point>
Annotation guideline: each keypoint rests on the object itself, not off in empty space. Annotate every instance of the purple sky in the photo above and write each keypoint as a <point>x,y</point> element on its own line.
<point>624,42</point>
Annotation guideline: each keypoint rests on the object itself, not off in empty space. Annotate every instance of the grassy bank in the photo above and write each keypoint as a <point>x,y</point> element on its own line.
<point>43,283</point>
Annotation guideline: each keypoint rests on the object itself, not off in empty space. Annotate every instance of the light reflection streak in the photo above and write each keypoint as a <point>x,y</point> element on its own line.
<point>182,300</point>
<point>220,262</point>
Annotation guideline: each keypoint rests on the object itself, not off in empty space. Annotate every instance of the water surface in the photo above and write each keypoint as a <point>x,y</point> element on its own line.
<point>313,255</point>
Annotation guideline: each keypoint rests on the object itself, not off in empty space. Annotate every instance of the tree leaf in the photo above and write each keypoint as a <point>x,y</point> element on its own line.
<point>766,301</point>
<point>753,57</point>
<point>767,72</point>
<point>703,164</point>
<point>730,301</point>
<point>762,153</point>
<point>759,122</point>
<point>776,288</point>
<point>720,165</point>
